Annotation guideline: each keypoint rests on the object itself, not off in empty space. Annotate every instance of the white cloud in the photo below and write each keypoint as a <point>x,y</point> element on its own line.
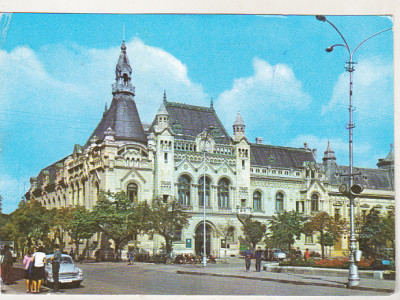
<point>372,95</point>
<point>271,94</point>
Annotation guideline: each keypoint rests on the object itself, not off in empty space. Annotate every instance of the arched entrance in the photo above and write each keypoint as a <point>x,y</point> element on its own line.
<point>199,239</point>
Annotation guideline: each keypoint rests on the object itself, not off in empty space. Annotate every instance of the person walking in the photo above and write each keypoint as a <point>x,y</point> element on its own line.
<point>55,262</point>
<point>247,257</point>
<point>258,256</point>
<point>6,265</point>
<point>39,259</point>
<point>28,274</point>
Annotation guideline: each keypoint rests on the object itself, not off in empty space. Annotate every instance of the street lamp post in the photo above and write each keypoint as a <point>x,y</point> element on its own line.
<point>354,278</point>
<point>204,197</point>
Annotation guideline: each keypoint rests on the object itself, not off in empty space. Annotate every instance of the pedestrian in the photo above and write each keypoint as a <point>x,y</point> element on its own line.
<point>6,265</point>
<point>55,262</point>
<point>306,254</point>
<point>258,256</point>
<point>247,257</point>
<point>39,259</point>
<point>271,255</point>
<point>28,269</point>
<point>298,253</point>
<point>292,253</point>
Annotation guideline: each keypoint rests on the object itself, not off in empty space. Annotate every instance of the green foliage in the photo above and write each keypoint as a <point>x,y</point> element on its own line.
<point>79,224</point>
<point>28,224</point>
<point>377,233</point>
<point>253,231</point>
<point>328,228</point>
<point>166,219</point>
<point>285,228</point>
<point>113,215</point>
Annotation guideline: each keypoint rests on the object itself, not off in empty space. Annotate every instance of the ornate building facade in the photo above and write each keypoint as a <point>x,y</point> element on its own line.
<point>185,149</point>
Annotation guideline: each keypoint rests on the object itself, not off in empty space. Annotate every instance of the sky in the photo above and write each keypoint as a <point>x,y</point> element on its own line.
<point>56,72</point>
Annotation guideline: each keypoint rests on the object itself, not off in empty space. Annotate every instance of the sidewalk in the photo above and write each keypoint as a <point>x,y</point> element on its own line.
<point>237,270</point>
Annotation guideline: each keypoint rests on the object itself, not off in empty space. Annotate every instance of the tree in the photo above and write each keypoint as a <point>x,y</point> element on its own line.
<point>79,225</point>
<point>225,231</point>
<point>285,227</point>
<point>377,232</point>
<point>28,224</point>
<point>115,216</point>
<point>253,231</point>
<point>166,219</point>
<point>328,228</point>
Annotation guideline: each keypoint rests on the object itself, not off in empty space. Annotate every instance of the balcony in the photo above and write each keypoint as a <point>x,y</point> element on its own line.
<point>244,210</point>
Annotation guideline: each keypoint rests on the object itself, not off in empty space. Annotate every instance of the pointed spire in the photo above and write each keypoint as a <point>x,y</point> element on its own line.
<point>388,161</point>
<point>165,97</point>
<point>162,110</point>
<point>212,103</point>
<point>105,109</point>
<point>123,73</point>
<point>239,120</point>
<point>329,154</point>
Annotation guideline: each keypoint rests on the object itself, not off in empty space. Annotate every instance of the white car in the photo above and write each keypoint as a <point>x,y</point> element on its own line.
<point>68,272</point>
<point>279,254</point>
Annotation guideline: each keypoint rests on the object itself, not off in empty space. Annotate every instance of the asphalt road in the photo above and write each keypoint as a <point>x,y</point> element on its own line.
<point>150,279</point>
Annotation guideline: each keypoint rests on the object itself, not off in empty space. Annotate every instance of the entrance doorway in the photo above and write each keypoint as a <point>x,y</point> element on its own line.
<point>199,239</point>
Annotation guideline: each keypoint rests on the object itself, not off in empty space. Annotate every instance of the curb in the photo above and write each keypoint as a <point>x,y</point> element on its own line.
<point>383,290</point>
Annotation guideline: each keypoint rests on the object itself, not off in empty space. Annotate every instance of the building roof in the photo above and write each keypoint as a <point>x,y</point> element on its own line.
<point>123,118</point>
<point>188,121</point>
<point>378,179</point>
<point>275,156</point>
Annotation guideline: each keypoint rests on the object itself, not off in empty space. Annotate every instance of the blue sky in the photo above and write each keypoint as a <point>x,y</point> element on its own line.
<point>56,72</point>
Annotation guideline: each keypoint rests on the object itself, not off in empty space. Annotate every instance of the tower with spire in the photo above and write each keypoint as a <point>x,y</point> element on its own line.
<point>239,128</point>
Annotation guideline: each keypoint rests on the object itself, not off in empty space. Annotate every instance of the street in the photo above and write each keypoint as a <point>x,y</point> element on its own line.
<point>151,279</point>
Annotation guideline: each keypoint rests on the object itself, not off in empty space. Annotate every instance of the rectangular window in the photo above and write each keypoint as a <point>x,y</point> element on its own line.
<point>300,206</point>
<point>165,198</point>
<point>309,239</point>
<point>243,203</point>
<point>243,164</point>
<point>165,157</point>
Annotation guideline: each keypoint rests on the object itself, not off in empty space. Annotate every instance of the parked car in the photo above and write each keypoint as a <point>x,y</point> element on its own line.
<point>68,272</point>
<point>278,254</point>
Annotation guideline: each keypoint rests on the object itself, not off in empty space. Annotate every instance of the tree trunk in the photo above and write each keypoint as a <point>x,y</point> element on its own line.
<point>77,249</point>
<point>322,244</point>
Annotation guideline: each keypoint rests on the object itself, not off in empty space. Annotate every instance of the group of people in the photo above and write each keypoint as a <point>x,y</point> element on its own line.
<point>258,255</point>
<point>34,264</point>
<point>268,255</point>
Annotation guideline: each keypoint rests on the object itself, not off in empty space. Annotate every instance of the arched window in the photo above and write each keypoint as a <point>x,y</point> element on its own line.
<point>279,202</point>
<point>257,200</point>
<point>314,202</point>
<point>132,192</point>
<point>201,191</point>
<point>223,193</point>
<point>184,190</point>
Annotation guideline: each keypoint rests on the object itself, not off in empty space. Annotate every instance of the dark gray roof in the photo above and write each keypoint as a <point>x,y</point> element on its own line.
<point>123,118</point>
<point>188,121</point>
<point>275,156</point>
<point>51,171</point>
<point>370,178</point>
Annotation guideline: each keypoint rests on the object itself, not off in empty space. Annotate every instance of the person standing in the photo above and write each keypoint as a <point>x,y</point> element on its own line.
<point>298,253</point>
<point>257,256</point>
<point>247,257</point>
<point>39,259</point>
<point>6,265</point>
<point>55,262</point>
<point>306,254</point>
<point>26,262</point>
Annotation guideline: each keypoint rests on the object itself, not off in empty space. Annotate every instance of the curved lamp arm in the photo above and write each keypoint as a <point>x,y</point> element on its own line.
<point>369,38</point>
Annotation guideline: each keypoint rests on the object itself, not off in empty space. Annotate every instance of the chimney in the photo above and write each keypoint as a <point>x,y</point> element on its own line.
<point>306,146</point>
<point>259,140</point>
